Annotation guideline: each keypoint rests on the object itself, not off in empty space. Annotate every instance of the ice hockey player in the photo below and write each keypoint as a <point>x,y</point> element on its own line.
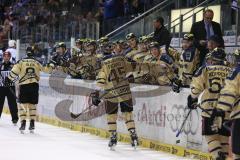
<point>112,79</point>
<point>140,73</point>
<point>229,102</point>
<point>133,46</point>
<point>78,49</point>
<point>27,72</point>
<point>162,70</point>
<point>118,47</point>
<point>101,42</point>
<point>89,63</point>
<point>209,80</point>
<point>62,55</point>
<point>9,90</point>
<point>189,60</point>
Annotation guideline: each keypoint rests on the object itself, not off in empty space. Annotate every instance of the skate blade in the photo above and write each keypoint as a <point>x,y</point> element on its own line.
<point>31,131</point>
<point>22,131</point>
<point>134,145</point>
<point>112,148</point>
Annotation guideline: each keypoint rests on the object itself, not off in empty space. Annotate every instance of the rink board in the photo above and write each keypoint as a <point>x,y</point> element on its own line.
<point>158,113</point>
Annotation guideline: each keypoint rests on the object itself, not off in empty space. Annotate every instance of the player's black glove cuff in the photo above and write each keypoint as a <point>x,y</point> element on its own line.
<point>95,98</point>
<point>218,113</point>
<point>192,102</point>
<point>176,85</point>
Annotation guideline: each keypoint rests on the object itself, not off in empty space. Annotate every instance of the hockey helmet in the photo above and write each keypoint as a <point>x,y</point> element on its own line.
<point>11,43</point>
<point>30,51</point>
<point>188,37</point>
<point>218,54</point>
<point>79,41</point>
<point>143,39</point>
<point>130,36</point>
<point>103,40</point>
<point>154,45</point>
<point>61,44</point>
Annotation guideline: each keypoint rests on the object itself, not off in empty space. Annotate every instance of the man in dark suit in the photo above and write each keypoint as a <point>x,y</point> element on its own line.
<point>203,30</point>
<point>161,34</point>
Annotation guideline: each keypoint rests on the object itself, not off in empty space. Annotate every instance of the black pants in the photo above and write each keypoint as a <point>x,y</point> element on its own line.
<point>28,93</point>
<point>12,104</point>
<point>235,136</point>
<point>112,108</point>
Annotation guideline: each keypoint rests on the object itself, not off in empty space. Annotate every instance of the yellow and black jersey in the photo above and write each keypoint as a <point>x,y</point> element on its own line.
<point>188,64</point>
<point>160,69</point>
<point>27,71</point>
<point>140,70</point>
<point>209,80</point>
<point>88,67</point>
<point>130,54</point>
<point>112,78</point>
<point>229,99</point>
<point>174,54</point>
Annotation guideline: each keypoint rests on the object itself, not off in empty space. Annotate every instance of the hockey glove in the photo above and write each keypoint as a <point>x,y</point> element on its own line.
<point>176,85</point>
<point>192,102</point>
<point>95,98</point>
<point>217,118</point>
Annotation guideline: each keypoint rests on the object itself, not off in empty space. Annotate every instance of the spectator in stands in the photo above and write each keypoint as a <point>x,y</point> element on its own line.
<point>12,49</point>
<point>203,30</point>
<point>110,8</point>
<point>161,34</point>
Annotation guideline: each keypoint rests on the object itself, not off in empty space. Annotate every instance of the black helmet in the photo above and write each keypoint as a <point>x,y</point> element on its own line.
<point>154,45</point>
<point>130,36</point>
<point>103,40</point>
<point>218,54</point>
<point>91,42</point>
<point>188,36</point>
<point>79,41</point>
<point>30,51</point>
<point>143,39</point>
<point>61,44</point>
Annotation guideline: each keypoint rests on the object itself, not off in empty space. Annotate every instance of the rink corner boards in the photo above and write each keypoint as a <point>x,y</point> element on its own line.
<point>147,143</point>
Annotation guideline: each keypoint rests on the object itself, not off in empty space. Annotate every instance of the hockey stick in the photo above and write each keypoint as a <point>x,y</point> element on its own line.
<point>75,116</point>
<point>183,124</point>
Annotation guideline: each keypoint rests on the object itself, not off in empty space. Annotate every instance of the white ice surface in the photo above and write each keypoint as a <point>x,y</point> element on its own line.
<point>54,143</point>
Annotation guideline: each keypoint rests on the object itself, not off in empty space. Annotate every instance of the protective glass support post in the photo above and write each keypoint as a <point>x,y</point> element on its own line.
<point>237,25</point>
<point>97,30</point>
<point>180,29</point>
<point>72,44</point>
<point>80,30</point>
<point>194,18</point>
<point>87,30</point>
<point>18,49</point>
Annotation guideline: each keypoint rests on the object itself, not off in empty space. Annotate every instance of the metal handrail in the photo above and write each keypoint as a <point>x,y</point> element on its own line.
<point>191,10</point>
<point>190,15</point>
<point>140,16</point>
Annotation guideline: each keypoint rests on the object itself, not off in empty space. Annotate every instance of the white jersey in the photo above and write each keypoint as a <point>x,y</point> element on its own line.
<point>13,52</point>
